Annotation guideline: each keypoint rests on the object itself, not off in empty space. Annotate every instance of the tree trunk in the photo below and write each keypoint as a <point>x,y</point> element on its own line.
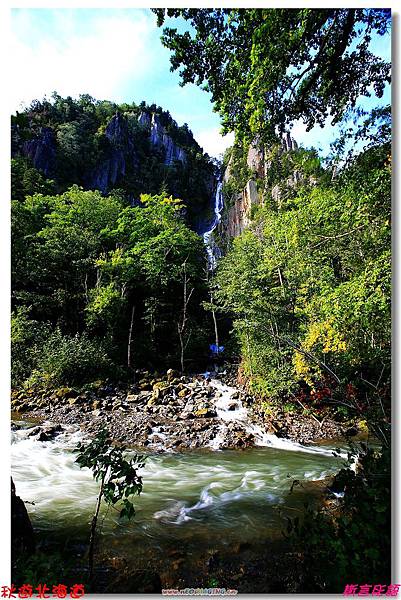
<point>216,333</point>
<point>181,326</point>
<point>130,337</point>
<point>93,530</point>
<point>182,348</point>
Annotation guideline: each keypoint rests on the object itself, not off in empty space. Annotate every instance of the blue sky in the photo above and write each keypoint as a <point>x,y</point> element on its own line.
<point>111,54</point>
<point>116,54</point>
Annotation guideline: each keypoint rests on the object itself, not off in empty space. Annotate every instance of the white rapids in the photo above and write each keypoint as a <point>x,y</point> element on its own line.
<point>232,410</point>
<point>188,498</point>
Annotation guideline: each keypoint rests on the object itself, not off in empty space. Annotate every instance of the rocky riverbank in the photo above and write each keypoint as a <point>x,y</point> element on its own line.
<point>197,412</point>
<point>173,412</point>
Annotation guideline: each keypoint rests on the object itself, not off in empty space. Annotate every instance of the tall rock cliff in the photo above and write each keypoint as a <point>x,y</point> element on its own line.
<point>256,176</point>
<point>103,146</point>
<point>239,215</point>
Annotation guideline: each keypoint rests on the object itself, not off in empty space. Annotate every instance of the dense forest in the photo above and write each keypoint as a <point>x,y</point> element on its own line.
<point>110,280</point>
<point>117,257</point>
<point>127,148</point>
<point>308,283</point>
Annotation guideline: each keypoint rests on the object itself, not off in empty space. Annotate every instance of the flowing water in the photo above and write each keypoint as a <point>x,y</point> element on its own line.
<point>192,501</point>
<point>213,252</point>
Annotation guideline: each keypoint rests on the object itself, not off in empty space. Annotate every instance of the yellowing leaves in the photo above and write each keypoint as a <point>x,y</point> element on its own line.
<point>302,368</point>
<point>321,338</point>
<point>325,335</point>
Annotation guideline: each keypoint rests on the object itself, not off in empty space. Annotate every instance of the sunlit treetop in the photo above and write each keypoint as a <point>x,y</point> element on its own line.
<point>265,68</point>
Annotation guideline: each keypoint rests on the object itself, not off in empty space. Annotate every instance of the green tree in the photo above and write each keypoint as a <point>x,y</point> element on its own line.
<point>144,271</point>
<point>118,479</point>
<point>89,268</point>
<point>266,68</point>
<point>353,542</point>
<point>308,284</point>
<point>27,181</point>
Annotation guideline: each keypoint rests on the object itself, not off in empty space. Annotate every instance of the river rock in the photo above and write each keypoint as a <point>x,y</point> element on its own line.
<point>171,374</point>
<point>351,431</point>
<point>71,401</point>
<point>66,393</point>
<point>44,433</point>
<point>156,439</point>
<point>205,412</point>
<point>22,537</point>
<point>133,398</point>
<point>187,415</point>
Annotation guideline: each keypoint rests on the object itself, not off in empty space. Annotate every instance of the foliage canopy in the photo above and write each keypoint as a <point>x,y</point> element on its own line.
<point>265,68</point>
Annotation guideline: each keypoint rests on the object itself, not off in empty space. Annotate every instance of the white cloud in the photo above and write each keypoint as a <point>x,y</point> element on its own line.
<point>96,61</point>
<point>110,54</point>
<point>213,142</point>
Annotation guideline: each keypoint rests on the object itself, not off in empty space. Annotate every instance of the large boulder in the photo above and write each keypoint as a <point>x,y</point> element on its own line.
<point>22,536</point>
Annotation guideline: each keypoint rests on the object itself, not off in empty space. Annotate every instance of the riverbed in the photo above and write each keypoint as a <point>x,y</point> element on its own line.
<point>193,504</point>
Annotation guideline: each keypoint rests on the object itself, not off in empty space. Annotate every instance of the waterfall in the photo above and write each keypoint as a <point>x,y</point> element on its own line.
<point>213,252</point>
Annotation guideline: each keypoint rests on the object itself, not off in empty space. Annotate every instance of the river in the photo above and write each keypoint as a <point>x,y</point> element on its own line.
<point>196,501</point>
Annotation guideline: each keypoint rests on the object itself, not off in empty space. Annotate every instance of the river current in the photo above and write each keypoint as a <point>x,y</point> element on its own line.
<point>193,501</point>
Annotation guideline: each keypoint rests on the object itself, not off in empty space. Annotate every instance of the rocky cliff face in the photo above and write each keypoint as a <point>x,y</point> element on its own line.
<point>257,158</point>
<point>105,146</point>
<point>41,150</point>
<point>121,152</point>
<point>122,149</point>
<point>238,216</point>
<point>160,139</point>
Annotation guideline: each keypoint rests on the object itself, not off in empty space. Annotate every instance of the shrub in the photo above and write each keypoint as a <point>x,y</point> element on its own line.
<point>351,542</point>
<point>27,337</point>
<point>70,360</point>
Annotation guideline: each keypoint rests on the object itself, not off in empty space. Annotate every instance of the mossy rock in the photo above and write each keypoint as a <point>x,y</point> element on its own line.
<point>363,426</point>
<point>66,392</point>
<point>202,412</point>
<point>156,394</point>
<point>171,375</point>
<point>160,385</point>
